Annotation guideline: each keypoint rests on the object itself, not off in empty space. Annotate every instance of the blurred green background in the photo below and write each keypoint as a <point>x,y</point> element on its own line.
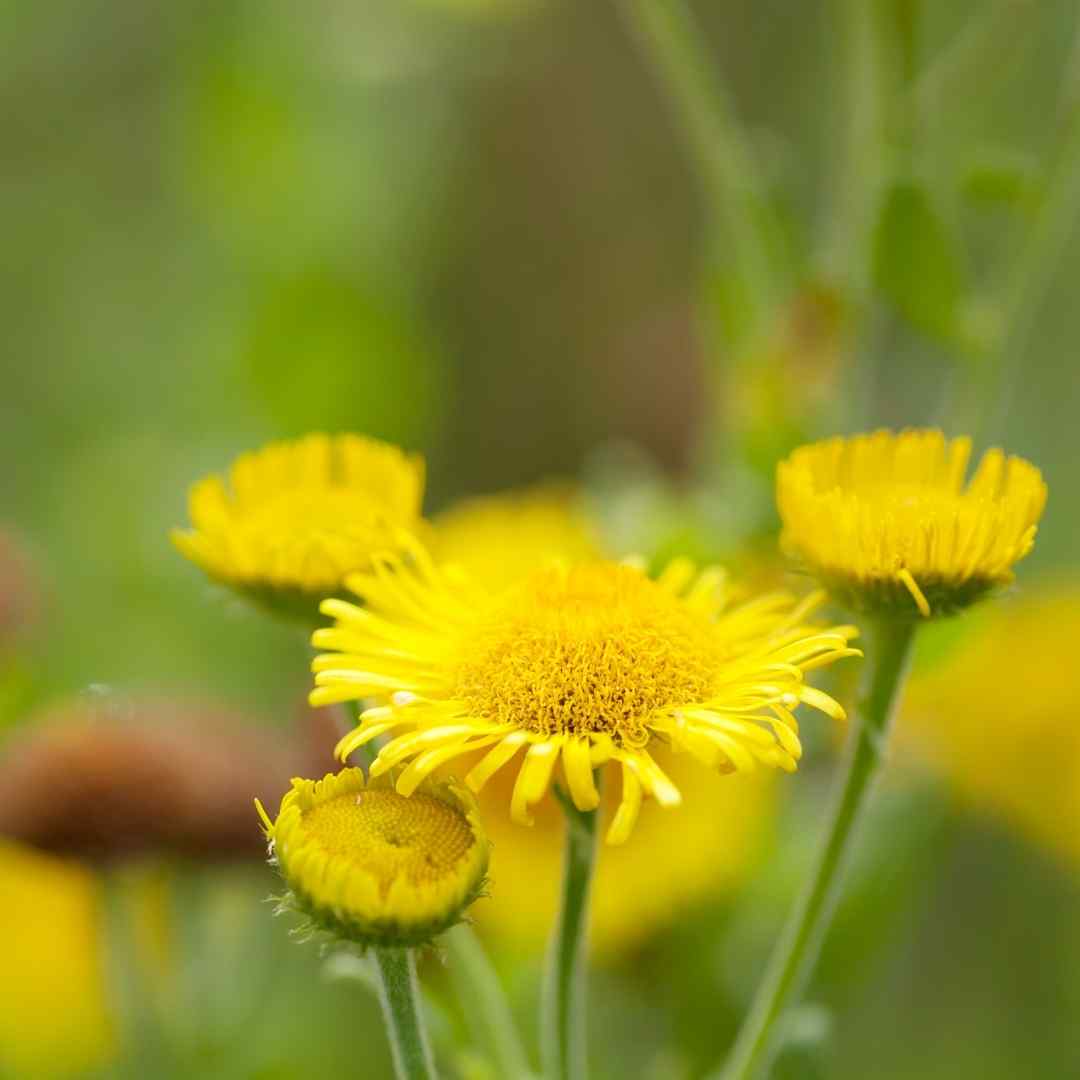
<point>478,228</point>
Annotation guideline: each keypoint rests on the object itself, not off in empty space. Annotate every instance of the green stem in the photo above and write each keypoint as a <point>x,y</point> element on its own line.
<point>862,158</point>
<point>128,978</point>
<point>796,952</point>
<point>563,1004</point>
<point>984,41</point>
<point>400,998</point>
<point>986,399</point>
<point>675,47</point>
<point>362,755</point>
<point>486,1009</point>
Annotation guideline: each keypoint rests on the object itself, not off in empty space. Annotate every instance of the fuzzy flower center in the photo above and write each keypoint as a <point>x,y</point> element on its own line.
<point>420,839</point>
<point>597,649</point>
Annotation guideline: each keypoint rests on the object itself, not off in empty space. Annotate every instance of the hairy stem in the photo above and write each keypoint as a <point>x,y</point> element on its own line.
<point>400,999</point>
<point>797,950</point>
<point>563,1004</point>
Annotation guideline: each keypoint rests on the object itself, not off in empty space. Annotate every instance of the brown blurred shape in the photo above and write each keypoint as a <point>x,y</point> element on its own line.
<point>111,780</point>
<point>19,597</point>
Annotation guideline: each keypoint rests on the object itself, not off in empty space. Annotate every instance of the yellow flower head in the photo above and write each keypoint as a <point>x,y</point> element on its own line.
<point>587,665</point>
<point>498,539</point>
<point>296,517</point>
<point>707,845</point>
<point>1009,746</point>
<point>887,522</point>
<point>369,865</point>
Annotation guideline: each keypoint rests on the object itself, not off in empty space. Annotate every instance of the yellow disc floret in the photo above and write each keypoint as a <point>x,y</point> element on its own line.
<point>296,517</point>
<point>580,665</point>
<point>374,867</point>
<point>888,522</point>
<point>608,647</point>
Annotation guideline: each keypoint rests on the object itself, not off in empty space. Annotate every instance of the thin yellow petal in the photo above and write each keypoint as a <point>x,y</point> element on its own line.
<point>577,766</point>
<point>626,816</point>
<point>533,778</point>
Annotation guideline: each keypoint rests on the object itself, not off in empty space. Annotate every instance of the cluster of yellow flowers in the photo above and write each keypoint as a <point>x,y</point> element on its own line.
<point>500,632</point>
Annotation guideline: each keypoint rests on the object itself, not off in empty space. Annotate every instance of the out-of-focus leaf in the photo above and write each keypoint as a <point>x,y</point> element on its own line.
<point>730,305</point>
<point>917,263</point>
<point>807,1030</point>
<point>1002,179</point>
<point>325,353</point>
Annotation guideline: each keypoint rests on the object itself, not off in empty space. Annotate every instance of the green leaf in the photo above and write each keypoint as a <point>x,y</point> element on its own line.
<point>1000,178</point>
<point>917,264</point>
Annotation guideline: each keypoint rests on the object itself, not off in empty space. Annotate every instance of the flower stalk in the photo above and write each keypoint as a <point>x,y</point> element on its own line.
<point>562,1037</point>
<point>889,653</point>
<point>400,999</point>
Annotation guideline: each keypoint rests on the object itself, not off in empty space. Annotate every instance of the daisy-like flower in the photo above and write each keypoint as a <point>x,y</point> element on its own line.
<point>294,518</point>
<point>371,866</point>
<point>888,524</point>
<point>585,665</point>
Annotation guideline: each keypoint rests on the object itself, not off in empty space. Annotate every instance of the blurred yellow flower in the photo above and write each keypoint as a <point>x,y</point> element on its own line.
<point>886,522</point>
<point>499,539</point>
<point>680,856</point>
<point>588,664</point>
<point>53,1017</point>
<point>296,517</point>
<point>374,867</point>
<point>1010,746</point>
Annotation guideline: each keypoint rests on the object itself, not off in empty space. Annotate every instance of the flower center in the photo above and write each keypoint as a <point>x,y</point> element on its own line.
<point>420,838</point>
<point>596,649</point>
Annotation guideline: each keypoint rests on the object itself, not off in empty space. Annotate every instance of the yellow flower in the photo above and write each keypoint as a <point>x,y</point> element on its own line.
<point>1009,746</point>
<point>887,523</point>
<point>296,517</point>
<point>498,539</point>
<point>589,664</point>
<point>679,856</point>
<point>371,866</point>
<point>53,1016</point>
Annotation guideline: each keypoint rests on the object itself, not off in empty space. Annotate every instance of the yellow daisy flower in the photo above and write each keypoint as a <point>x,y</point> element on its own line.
<point>887,522</point>
<point>498,539</point>
<point>368,865</point>
<point>587,665</point>
<point>1006,750</point>
<point>706,846</point>
<point>294,518</point>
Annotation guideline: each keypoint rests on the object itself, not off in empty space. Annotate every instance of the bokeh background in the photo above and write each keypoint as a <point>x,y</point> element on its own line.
<point>502,233</point>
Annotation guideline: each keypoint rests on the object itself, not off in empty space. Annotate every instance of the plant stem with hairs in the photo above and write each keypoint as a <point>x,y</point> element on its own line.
<point>761,1035</point>
<point>400,999</point>
<point>562,1021</point>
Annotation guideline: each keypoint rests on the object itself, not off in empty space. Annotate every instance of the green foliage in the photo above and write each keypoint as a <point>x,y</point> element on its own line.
<point>917,264</point>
